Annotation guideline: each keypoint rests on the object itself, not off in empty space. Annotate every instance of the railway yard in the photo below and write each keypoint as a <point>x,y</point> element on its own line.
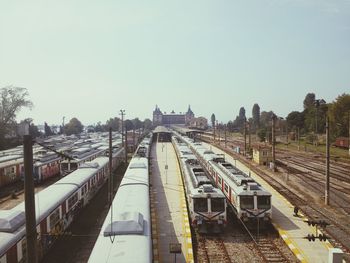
<point>300,178</point>
<point>246,235</point>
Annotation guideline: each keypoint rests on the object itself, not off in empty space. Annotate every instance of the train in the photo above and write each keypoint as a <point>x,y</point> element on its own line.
<point>11,167</point>
<point>206,203</point>
<point>249,200</point>
<point>56,207</point>
<point>126,232</point>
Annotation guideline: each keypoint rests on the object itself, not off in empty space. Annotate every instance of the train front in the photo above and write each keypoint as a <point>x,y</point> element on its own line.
<point>208,211</point>
<point>255,204</point>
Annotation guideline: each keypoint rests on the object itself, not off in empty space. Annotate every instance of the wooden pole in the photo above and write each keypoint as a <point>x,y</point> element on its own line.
<point>110,181</point>
<point>29,200</point>
<point>326,196</point>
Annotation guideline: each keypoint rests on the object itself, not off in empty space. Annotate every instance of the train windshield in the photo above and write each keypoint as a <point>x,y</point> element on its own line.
<point>247,202</point>
<point>200,204</point>
<point>217,204</point>
<point>264,202</point>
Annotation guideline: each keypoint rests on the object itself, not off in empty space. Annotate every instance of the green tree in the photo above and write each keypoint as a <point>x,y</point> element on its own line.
<point>147,124</point>
<point>309,100</point>
<point>12,100</point>
<point>74,126</point>
<point>265,118</point>
<point>256,116</point>
<point>47,129</point>
<point>128,125</point>
<point>33,130</point>
<point>213,120</point>
<point>295,119</point>
<point>339,112</point>
<point>114,123</point>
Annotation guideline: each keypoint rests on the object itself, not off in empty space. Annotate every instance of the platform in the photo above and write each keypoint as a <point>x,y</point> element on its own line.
<point>292,229</point>
<point>169,212</point>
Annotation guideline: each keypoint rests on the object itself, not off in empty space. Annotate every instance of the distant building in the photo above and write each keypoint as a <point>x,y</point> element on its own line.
<point>160,118</point>
<point>262,154</point>
<point>199,123</point>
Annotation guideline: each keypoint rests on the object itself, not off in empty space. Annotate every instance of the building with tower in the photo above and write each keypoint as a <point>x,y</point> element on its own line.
<point>163,118</point>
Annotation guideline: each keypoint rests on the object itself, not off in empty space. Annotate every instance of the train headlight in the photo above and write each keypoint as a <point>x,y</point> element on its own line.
<point>244,216</point>
<point>199,220</point>
<point>267,216</point>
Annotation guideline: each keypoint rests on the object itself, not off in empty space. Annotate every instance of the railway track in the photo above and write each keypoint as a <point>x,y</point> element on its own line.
<point>338,231</point>
<point>211,249</point>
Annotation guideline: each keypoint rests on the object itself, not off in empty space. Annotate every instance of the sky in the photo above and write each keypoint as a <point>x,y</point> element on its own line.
<point>90,59</point>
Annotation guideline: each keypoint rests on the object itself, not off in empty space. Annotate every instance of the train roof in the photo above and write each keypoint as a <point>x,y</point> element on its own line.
<point>128,221</point>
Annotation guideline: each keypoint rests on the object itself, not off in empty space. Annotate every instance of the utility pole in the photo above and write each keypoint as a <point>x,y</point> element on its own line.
<point>29,201</point>
<point>110,183</point>
<point>326,196</point>
<point>133,138</point>
<point>245,136</point>
<point>349,131</point>
<point>218,130</point>
<point>122,112</point>
<point>225,136</point>
<point>273,143</point>
<point>298,139</point>
<point>249,137</point>
<point>317,104</point>
<point>63,124</point>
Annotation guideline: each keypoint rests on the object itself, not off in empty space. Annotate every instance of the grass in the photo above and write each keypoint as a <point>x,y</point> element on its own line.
<point>321,148</point>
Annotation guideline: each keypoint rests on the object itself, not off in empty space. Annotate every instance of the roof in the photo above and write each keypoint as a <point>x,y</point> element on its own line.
<point>160,129</point>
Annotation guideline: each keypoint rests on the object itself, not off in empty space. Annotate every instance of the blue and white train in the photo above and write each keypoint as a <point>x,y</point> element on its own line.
<point>56,207</point>
<point>126,232</point>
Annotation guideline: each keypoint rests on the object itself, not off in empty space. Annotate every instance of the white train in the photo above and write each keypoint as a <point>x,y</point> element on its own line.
<point>126,232</point>
<point>249,200</point>
<point>206,203</point>
<point>56,207</point>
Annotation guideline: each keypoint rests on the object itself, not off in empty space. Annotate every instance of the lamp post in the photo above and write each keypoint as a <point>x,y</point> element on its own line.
<point>122,113</point>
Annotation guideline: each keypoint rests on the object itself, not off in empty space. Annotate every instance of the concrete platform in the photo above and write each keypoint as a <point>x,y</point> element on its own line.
<point>169,212</point>
<point>292,229</point>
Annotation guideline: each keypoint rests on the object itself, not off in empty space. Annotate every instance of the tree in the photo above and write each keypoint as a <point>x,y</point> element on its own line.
<point>147,124</point>
<point>33,130</point>
<point>12,100</point>
<point>256,116</point>
<point>238,123</point>
<point>213,120</point>
<point>265,118</point>
<point>309,100</point>
<point>47,130</point>
<point>74,126</point>
<point>137,123</point>
<point>339,112</point>
<point>114,123</point>
<point>295,119</point>
<point>128,125</point>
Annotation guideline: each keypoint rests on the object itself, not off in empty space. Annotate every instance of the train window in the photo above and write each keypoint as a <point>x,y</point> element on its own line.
<point>200,204</point>
<point>219,180</point>
<point>226,188</point>
<point>72,200</point>
<point>54,217</point>
<point>247,202</point>
<point>73,166</point>
<point>264,202</point>
<point>217,204</point>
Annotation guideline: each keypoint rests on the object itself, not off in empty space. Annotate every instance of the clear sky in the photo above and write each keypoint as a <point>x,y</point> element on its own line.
<point>89,59</point>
